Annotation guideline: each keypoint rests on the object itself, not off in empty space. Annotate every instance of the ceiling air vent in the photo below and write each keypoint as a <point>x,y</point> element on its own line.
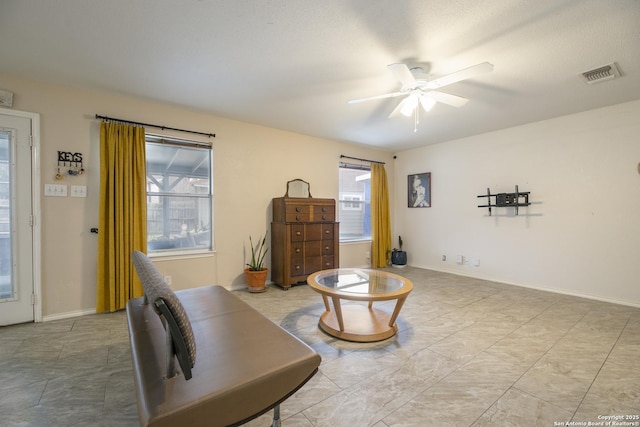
<point>601,74</point>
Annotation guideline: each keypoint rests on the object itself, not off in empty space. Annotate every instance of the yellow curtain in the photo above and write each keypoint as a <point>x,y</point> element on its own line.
<point>380,221</point>
<point>122,223</point>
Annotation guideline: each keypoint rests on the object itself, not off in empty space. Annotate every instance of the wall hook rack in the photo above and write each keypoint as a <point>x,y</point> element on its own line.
<point>70,161</point>
<point>506,200</point>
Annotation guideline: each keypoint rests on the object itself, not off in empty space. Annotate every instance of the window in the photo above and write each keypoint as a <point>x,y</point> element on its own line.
<point>6,253</point>
<point>179,195</point>
<point>354,204</point>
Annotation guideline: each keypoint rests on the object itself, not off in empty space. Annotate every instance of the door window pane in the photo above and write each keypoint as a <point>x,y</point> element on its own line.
<point>6,289</point>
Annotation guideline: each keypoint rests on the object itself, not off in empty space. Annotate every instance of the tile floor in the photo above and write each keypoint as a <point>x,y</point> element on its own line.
<point>469,353</point>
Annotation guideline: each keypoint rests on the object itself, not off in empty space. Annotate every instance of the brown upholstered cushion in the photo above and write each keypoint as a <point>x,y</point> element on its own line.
<point>156,288</point>
<point>246,363</point>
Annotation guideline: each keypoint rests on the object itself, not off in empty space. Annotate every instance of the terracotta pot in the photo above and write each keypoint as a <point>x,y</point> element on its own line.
<point>256,279</point>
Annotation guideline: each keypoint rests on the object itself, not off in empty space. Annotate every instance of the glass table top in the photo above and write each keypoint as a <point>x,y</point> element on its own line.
<point>359,281</point>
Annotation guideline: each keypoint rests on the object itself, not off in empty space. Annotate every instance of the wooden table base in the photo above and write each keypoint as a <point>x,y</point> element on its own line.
<point>361,324</point>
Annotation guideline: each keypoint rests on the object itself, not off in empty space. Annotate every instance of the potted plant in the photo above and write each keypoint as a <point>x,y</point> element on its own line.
<point>256,273</point>
<point>398,256</point>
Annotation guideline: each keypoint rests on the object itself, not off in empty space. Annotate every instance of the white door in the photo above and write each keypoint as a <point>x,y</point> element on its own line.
<point>16,221</point>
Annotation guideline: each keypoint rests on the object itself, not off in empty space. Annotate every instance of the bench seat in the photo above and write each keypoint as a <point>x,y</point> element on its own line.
<point>246,364</point>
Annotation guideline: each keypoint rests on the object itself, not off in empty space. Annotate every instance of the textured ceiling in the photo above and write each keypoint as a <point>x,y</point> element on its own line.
<point>294,64</point>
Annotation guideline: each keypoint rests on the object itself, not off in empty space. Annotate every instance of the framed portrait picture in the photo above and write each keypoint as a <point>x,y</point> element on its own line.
<point>419,190</point>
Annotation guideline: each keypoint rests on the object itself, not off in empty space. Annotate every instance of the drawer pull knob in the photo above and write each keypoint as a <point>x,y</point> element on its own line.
<point>297,250</point>
<point>324,209</point>
<point>298,233</point>
<point>326,248</point>
<point>324,217</point>
<point>297,217</point>
<point>297,267</point>
<point>327,231</point>
<point>298,209</point>
<point>327,264</point>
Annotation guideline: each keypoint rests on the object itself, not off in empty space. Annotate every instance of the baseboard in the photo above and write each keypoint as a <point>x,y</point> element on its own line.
<point>241,286</point>
<point>537,288</point>
<point>68,315</point>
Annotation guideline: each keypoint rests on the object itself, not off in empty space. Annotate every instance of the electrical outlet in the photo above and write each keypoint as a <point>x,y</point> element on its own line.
<point>476,262</point>
<point>460,259</point>
<point>367,255</point>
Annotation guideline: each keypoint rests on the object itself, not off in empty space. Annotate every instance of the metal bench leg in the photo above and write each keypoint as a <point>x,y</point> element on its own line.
<point>276,417</point>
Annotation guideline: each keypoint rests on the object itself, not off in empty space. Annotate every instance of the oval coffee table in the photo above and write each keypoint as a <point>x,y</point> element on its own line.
<point>358,322</point>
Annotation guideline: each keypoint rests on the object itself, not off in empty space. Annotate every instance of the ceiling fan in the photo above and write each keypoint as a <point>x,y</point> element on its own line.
<point>419,89</point>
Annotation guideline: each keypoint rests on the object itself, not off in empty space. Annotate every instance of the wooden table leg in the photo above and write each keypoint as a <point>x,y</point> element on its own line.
<point>326,303</point>
<point>338,310</point>
<point>396,310</point>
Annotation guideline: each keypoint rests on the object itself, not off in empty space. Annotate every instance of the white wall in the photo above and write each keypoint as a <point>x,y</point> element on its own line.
<point>581,235</point>
<point>251,166</point>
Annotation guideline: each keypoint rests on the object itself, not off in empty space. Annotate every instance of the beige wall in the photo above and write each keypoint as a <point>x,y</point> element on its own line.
<point>251,165</point>
<point>581,235</point>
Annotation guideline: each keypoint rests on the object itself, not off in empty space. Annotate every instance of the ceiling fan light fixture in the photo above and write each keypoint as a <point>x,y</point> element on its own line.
<point>409,104</point>
<point>427,102</point>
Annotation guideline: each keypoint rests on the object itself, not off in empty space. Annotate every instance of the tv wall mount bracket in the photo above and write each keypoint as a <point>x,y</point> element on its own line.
<point>506,200</point>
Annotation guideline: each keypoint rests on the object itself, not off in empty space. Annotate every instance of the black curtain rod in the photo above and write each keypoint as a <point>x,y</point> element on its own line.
<point>362,160</point>
<point>210,135</point>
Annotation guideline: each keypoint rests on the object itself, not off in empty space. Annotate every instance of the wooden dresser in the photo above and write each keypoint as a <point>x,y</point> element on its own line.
<point>304,239</point>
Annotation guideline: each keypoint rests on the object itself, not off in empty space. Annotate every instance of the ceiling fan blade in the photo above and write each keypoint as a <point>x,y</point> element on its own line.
<point>464,74</point>
<point>447,98</point>
<point>386,95</point>
<point>396,111</point>
<point>402,74</point>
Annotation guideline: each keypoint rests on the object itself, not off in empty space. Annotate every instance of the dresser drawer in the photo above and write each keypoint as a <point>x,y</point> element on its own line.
<point>297,233</point>
<point>292,210</point>
<point>297,267</point>
<point>327,247</point>
<point>327,232</point>
<point>327,262</point>
<point>297,249</point>
<point>324,213</point>
<point>298,213</point>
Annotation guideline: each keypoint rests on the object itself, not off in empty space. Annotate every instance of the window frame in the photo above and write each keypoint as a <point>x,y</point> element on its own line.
<point>346,206</point>
<point>187,144</point>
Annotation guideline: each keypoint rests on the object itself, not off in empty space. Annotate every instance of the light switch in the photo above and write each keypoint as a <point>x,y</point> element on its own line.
<point>55,190</point>
<point>78,191</point>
